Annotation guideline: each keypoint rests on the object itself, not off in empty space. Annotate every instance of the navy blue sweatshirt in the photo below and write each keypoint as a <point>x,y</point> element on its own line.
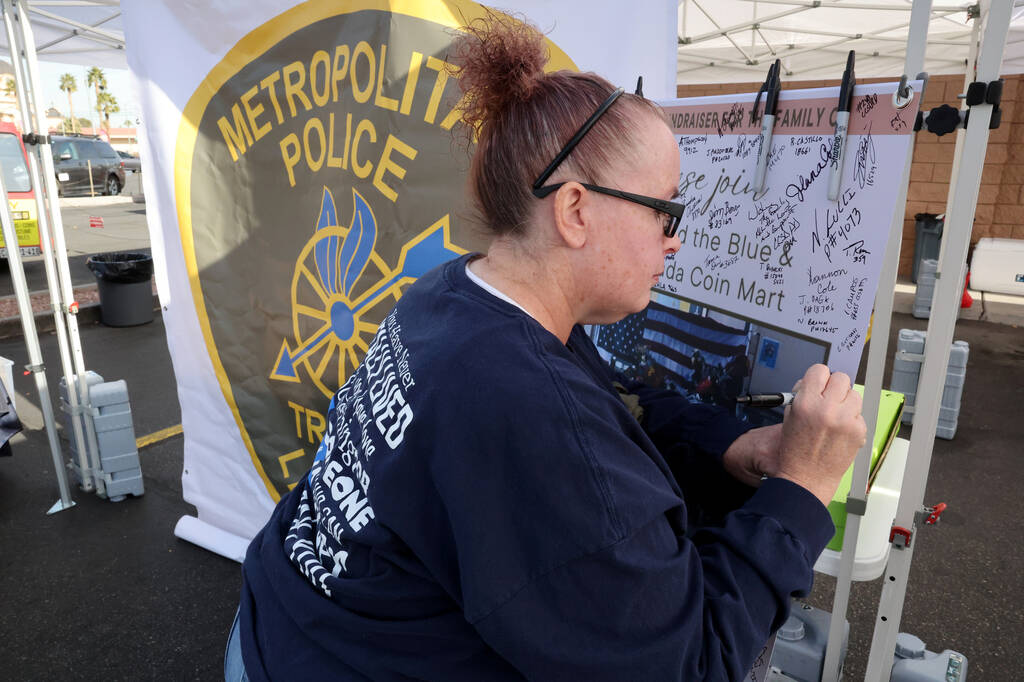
<point>485,507</point>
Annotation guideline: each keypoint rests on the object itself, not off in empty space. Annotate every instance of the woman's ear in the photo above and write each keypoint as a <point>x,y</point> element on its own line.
<point>570,217</point>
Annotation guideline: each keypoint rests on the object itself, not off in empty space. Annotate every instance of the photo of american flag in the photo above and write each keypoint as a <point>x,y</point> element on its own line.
<point>706,354</point>
<point>678,345</point>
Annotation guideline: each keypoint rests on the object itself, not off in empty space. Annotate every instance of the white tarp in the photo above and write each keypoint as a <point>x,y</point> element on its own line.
<point>813,38</point>
<point>84,33</point>
<point>262,168</point>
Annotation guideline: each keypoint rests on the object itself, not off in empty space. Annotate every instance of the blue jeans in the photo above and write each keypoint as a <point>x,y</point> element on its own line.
<point>234,668</point>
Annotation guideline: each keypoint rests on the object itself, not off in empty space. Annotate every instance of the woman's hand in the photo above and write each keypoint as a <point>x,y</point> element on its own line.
<point>754,454</point>
<point>821,432</point>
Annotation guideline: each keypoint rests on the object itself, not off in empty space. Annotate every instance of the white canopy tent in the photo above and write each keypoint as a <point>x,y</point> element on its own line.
<point>725,40</point>
<point>719,40</point>
<point>735,40</point>
<point>84,32</point>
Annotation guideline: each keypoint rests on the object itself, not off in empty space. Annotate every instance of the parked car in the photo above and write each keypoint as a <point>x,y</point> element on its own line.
<point>73,158</point>
<point>21,196</point>
<point>132,164</point>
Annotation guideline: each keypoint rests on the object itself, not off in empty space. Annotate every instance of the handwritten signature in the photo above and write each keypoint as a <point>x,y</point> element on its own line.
<point>865,106</point>
<point>795,190</point>
<point>837,223</point>
<point>864,161</point>
<point>731,119</point>
<point>897,122</point>
<point>856,251</point>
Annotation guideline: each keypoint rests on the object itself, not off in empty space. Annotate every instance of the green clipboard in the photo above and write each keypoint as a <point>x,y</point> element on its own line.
<point>889,410</point>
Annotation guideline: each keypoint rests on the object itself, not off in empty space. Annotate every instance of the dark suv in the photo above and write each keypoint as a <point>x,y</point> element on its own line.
<point>74,156</point>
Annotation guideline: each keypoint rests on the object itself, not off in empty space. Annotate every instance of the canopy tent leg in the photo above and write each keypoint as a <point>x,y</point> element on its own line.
<point>877,352</point>
<point>960,209</point>
<point>51,229</point>
<point>35,355</point>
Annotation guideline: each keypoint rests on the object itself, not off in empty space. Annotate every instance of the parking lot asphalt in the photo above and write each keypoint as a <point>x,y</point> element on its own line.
<point>104,590</point>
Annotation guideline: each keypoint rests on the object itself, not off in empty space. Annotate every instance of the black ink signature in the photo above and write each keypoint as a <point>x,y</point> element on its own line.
<point>897,122</point>
<point>731,119</point>
<point>865,106</point>
<point>864,161</point>
<point>796,189</point>
<point>856,251</point>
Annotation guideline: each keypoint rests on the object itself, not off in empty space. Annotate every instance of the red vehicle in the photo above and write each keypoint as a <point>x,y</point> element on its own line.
<point>20,194</point>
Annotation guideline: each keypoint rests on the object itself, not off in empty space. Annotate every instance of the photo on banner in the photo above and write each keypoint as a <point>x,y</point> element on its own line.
<point>708,355</point>
<point>768,279</point>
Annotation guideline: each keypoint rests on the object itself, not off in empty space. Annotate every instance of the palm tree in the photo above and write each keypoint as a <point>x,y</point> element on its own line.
<point>98,80</point>
<point>107,105</point>
<point>69,85</point>
<point>11,87</point>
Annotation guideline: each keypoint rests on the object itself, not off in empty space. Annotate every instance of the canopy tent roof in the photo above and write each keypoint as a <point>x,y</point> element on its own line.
<point>736,40</point>
<point>85,32</point>
<point>719,40</point>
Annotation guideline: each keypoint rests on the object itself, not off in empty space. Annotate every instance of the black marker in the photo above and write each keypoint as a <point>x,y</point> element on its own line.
<point>772,86</point>
<point>842,127</point>
<point>766,399</point>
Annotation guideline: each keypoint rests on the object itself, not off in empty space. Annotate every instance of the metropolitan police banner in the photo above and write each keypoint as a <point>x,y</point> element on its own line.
<point>303,167</point>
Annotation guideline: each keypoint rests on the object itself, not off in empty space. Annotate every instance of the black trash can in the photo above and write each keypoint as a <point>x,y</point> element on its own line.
<point>126,291</point>
<point>927,241</point>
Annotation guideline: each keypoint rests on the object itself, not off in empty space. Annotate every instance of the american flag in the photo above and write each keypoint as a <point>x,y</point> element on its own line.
<point>672,342</point>
<point>623,340</point>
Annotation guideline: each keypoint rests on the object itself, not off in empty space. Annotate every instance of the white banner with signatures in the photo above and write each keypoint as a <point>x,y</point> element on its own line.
<point>784,257</point>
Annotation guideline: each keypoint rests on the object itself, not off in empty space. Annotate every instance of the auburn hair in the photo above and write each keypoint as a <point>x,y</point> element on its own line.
<point>523,117</point>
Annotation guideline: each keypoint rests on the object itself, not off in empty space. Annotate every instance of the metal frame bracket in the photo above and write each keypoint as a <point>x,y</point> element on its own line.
<point>904,94</point>
<point>909,357</point>
<point>901,537</point>
<point>856,506</point>
<point>929,516</point>
<point>75,410</point>
<point>35,138</point>
<point>980,92</point>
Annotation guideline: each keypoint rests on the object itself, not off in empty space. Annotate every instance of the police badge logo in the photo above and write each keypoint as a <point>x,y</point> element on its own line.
<point>351,97</point>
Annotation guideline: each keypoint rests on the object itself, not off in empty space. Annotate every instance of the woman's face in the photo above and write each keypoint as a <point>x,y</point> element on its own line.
<point>629,242</point>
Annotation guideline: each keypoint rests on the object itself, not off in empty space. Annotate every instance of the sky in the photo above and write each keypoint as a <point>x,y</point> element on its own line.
<point>118,85</point>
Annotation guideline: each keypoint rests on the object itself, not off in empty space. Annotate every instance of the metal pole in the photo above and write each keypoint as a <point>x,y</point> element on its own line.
<point>753,17</point>
<point>35,355</point>
<point>969,72</point>
<point>26,43</point>
<point>57,305</point>
<point>877,352</point>
<point>945,308</point>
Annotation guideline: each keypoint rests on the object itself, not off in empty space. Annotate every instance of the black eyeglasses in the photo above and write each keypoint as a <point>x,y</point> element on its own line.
<point>673,210</point>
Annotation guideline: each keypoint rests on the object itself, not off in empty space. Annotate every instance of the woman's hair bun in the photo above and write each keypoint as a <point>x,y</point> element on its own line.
<point>501,60</point>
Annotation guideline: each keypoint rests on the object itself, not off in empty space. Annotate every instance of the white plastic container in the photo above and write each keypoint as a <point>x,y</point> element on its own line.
<point>998,266</point>
<point>906,373</point>
<point>925,289</point>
